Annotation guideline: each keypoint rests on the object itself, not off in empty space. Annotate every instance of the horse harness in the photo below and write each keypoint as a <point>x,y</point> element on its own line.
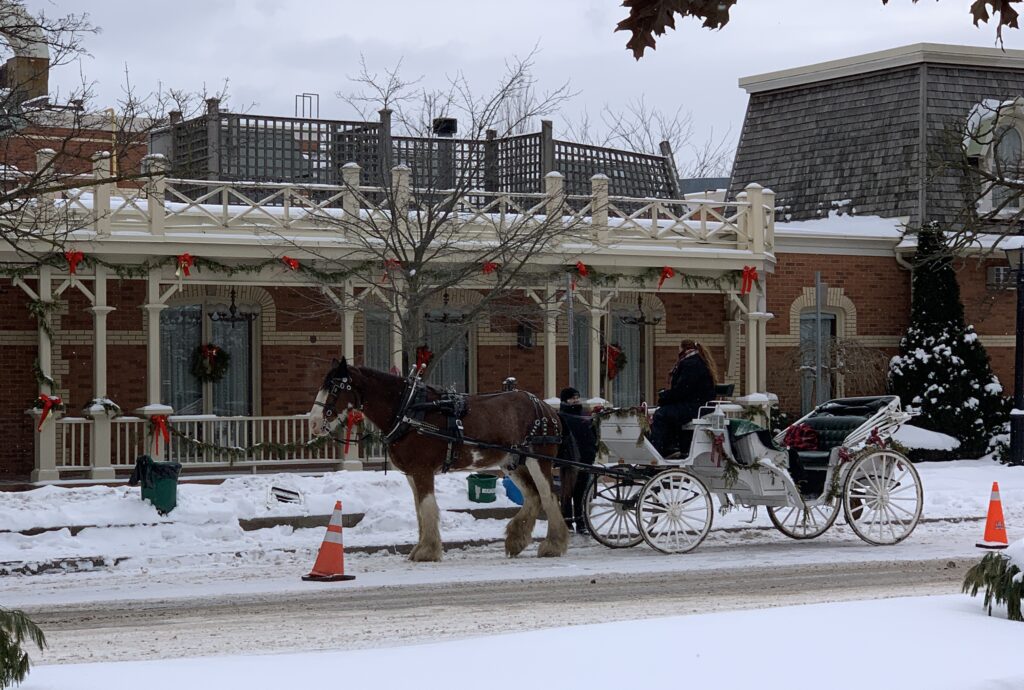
<point>452,407</point>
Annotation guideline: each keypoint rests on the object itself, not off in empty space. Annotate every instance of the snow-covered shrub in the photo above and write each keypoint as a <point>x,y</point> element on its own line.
<point>942,368</point>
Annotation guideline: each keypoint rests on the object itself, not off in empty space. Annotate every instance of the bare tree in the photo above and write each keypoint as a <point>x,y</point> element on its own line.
<point>640,126</point>
<point>428,229</point>
<point>38,190</point>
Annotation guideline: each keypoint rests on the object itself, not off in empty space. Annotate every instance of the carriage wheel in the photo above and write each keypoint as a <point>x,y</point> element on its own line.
<point>610,511</point>
<point>800,523</point>
<point>883,498</point>
<point>674,511</point>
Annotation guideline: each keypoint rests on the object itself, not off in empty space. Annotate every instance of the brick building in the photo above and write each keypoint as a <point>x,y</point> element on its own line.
<point>843,145</point>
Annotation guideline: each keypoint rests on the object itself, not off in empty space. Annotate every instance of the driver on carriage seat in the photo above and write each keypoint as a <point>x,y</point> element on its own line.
<point>691,384</point>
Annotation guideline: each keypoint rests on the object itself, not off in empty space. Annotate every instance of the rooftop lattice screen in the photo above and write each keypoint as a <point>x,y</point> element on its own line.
<point>250,148</point>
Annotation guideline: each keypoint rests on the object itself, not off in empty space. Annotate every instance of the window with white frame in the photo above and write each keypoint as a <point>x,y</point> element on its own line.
<point>377,338</point>
<point>186,327</point>
<point>1006,164</point>
<point>581,335</point>
<point>627,388</point>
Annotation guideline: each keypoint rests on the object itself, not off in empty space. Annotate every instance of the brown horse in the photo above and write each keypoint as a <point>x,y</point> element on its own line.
<point>509,419</point>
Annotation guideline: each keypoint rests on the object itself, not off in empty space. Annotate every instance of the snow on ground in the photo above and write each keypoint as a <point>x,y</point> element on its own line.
<point>923,642</point>
<point>912,436</point>
<point>200,549</point>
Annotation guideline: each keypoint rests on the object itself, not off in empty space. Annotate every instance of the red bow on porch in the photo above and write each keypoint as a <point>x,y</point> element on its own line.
<point>210,353</point>
<point>582,271</point>
<point>615,359</point>
<point>390,265</point>
<point>74,258</point>
<point>490,267</point>
<point>290,262</point>
<point>159,423</point>
<point>666,273</point>
<point>354,417</point>
<point>49,402</point>
<point>423,357</point>
<point>185,262</point>
<point>749,278</point>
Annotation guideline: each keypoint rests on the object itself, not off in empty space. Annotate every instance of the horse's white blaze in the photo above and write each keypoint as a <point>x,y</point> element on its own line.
<point>316,414</point>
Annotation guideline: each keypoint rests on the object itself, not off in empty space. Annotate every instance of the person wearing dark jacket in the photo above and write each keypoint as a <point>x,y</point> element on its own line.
<point>691,384</point>
<point>579,443</point>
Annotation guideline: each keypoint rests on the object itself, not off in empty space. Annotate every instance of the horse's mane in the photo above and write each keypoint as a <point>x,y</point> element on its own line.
<point>375,374</point>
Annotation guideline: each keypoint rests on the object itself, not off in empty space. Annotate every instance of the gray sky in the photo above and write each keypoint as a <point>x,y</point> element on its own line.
<point>271,50</point>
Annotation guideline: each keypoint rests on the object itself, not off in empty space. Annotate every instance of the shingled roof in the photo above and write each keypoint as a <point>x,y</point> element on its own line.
<point>866,133</point>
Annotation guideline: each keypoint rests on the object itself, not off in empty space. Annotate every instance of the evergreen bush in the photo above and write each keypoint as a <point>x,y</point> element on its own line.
<point>1003,583</point>
<point>942,367</point>
<point>15,630</point>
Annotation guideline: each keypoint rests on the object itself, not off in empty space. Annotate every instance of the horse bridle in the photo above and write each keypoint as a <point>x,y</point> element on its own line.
<point>335,388</point>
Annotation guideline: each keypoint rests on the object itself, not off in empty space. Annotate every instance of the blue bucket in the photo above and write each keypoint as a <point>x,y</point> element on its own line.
<point>512,491</point>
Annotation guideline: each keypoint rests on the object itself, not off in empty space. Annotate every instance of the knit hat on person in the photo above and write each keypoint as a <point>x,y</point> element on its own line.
<point>568,394</point>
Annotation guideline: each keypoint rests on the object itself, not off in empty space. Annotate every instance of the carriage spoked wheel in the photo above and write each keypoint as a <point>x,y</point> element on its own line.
<point>883,497</point>
<point>804,523</point>
<point>611,511</point>
<point>674,511</point>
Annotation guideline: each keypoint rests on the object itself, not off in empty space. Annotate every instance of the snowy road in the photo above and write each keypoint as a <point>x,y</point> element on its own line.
<point>336,617</point>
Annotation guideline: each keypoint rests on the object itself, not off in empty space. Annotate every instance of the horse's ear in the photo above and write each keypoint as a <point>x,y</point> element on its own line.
<point>334,362</point>
<point>343,366</point>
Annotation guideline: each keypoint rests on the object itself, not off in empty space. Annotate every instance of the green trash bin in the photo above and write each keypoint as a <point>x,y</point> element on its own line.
<point>159,482</point>
<point>483,488</point>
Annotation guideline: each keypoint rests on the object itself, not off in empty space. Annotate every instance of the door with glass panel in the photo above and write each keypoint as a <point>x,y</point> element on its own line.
<point>451,369</point>
<point>183,330</point>
<point>627,387</point>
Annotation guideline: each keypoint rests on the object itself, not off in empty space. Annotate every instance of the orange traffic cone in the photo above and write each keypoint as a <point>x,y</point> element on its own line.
<point>995,528</point>
<point>330,561</point>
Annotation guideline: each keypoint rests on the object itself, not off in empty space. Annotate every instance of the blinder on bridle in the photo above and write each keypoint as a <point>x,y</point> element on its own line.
<point>340,382</point>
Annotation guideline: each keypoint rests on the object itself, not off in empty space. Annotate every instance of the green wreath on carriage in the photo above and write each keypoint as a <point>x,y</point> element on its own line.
<point>210,363</point>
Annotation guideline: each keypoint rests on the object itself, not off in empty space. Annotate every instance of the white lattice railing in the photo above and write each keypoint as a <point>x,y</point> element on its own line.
<point>73,443</point>
<point>130,438</point>
<point>746,223</point>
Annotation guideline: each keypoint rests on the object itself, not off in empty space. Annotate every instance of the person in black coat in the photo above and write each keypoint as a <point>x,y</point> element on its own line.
<point>579,444</point>
<point>691,384</point>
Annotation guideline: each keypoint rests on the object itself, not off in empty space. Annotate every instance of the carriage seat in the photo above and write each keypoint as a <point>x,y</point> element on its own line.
<point>832,430</point>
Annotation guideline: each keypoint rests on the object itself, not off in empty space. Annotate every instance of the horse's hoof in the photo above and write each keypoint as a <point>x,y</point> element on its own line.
<point>550,550</point>
<point>422,554</point>
<point>514,547</point>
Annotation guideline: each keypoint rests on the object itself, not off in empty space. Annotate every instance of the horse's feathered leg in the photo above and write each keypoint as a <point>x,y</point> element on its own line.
<point>556,543</point>
<point>428,517</point>
<point>519,531</point>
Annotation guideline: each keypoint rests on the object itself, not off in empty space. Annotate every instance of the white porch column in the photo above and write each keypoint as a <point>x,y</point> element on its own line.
<point>594,345</point>
<point>751,374</point>
<point>99,449</point>
<point>45,440</point>
<point>550,345</point>
<point>348,343</point>
<point>154,406</point>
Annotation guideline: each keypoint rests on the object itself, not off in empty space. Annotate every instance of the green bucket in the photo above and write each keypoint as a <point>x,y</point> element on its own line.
<point>483,488</point>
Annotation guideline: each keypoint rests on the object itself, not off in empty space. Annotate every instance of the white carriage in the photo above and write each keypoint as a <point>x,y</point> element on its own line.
<point>637,495</point>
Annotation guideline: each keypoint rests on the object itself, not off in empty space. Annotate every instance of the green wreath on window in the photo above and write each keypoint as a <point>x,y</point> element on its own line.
<point>210,363</point>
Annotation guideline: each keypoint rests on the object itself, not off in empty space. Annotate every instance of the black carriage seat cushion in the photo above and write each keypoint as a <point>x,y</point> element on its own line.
<point>724,390</point>
<point>832,431</point>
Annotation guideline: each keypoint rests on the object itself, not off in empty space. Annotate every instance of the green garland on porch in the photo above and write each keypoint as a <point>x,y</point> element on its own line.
<point>42,378</point>
<point>235,452</point>
<point>41,311</point>
<point>141,270</point>
<point>277,449</point>
<point>728,281</point>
